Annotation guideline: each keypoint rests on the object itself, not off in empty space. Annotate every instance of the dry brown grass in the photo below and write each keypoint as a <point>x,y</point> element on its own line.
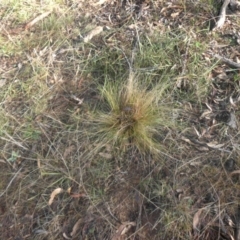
<point>155,156</point>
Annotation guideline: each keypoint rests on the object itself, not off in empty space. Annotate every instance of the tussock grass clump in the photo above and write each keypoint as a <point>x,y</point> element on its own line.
<point>132,115</point>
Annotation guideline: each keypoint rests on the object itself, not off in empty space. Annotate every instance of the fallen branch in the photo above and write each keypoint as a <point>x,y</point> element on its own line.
<point>227,61</point>
<point>222,15</point>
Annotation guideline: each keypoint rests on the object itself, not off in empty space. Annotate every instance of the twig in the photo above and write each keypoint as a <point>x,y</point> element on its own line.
<point>227,61</point>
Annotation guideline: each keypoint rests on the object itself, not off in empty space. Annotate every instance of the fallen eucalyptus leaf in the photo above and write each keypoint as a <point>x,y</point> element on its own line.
<point>235,172</point>
<point>233,121</point>
<point>54,194</point>
<point>123,229</point>
<point>2,82</point>
<point>76,227</point>
<point>65,236</point>
<point>215,145</point>
<point>93,33</point>
<point>196,220</point>
<point>106,155</point>
<point>100,2</point>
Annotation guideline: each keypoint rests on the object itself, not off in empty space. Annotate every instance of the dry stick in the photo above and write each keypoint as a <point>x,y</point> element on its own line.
<point>222,15</point>
<point>227,61</point>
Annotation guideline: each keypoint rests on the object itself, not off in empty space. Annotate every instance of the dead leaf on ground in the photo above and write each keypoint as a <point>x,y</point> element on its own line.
<point>106,155</point>
<point>232,102</point>
<point>78,100</point>
<point>68,151</point>
<point>108,147</point>
<point>187,140</point>
<point>174,15</point>
<point>54,194</point>
<point>75,195</point>
<point>65,236</point>
<point>233,121</point>
<point>222,76</point>
<point>69,190</point>
<point>39,166</point>
<point>39,163</point>
<point>197,163</point>
<point>93,33</point>
<point>205,114</point>
<point>2,82</point>
<point>123,229</point>
<point>202,149</point>
<point>196,220</point>
<point>37,19</point>
<point>100,2</point>
<point>215,145</point>
<point>76,227</point>
<point>235,172</point>
<point>197,132</point>
<point>41,232</point>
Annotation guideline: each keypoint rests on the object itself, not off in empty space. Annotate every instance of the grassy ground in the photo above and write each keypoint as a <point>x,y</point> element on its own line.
<point>117,122</point>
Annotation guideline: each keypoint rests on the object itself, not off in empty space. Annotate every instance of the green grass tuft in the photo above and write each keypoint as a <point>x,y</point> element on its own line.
<point>132,115</point>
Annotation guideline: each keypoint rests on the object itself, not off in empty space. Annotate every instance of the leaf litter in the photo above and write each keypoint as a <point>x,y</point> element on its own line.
<point>213,129</point>
<point>54,193</point>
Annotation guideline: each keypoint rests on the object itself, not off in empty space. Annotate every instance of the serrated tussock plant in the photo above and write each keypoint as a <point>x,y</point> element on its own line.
<point>131,114</point>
